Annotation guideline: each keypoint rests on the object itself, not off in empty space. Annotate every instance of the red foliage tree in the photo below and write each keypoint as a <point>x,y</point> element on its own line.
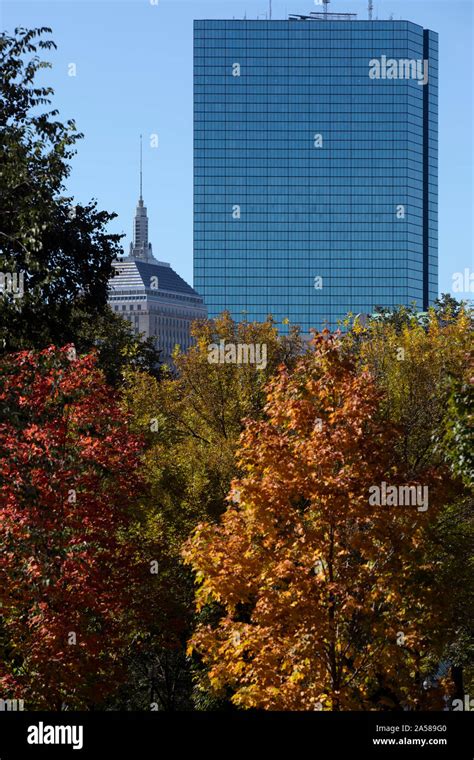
<point>68,475</point>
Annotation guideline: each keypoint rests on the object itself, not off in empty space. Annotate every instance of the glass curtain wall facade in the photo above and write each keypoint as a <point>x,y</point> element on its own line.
<point>315,180</point>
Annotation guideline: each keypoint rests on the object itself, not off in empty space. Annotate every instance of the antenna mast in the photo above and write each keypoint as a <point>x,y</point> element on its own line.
<point>326,3</point>
<point>141,168</point>
<point>270,11</point>
<point>371,8</point>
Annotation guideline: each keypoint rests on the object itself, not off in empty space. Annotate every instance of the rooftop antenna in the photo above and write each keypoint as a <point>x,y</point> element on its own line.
<point>371,8</point>
<point>270,10</point>
<point>141,167</point>
<point>326,3</point>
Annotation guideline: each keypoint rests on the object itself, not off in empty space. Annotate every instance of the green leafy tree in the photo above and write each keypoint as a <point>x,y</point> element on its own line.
<point>448,307</point>
<point>458,439</point>
<point>55,253</point>
<point>119,348</point>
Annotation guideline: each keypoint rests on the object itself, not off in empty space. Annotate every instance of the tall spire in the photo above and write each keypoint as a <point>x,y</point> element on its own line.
<point>140,248</point>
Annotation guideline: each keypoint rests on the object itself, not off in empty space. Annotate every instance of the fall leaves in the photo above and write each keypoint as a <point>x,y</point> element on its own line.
<point>311,580</point>
<point>69,471</point>
<point>279,583</point>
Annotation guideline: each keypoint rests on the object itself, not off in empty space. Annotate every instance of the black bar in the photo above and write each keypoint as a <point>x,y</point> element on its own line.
<point>241,734</point>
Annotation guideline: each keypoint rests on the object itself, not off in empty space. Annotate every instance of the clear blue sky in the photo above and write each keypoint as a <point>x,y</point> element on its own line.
<point>134,74</point>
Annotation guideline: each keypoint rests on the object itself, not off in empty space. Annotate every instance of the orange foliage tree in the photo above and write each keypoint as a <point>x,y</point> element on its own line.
<point>308,587</point>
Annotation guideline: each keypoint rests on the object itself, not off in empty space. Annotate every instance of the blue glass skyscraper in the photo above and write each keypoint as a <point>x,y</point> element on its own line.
<point>315,167</point>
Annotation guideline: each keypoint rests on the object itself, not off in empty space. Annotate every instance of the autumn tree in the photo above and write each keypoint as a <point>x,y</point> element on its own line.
<point>69,475</point>
<point>191,422</point>
<point>414,363</point>
<point>424,369</point>
<point>302,579</point>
